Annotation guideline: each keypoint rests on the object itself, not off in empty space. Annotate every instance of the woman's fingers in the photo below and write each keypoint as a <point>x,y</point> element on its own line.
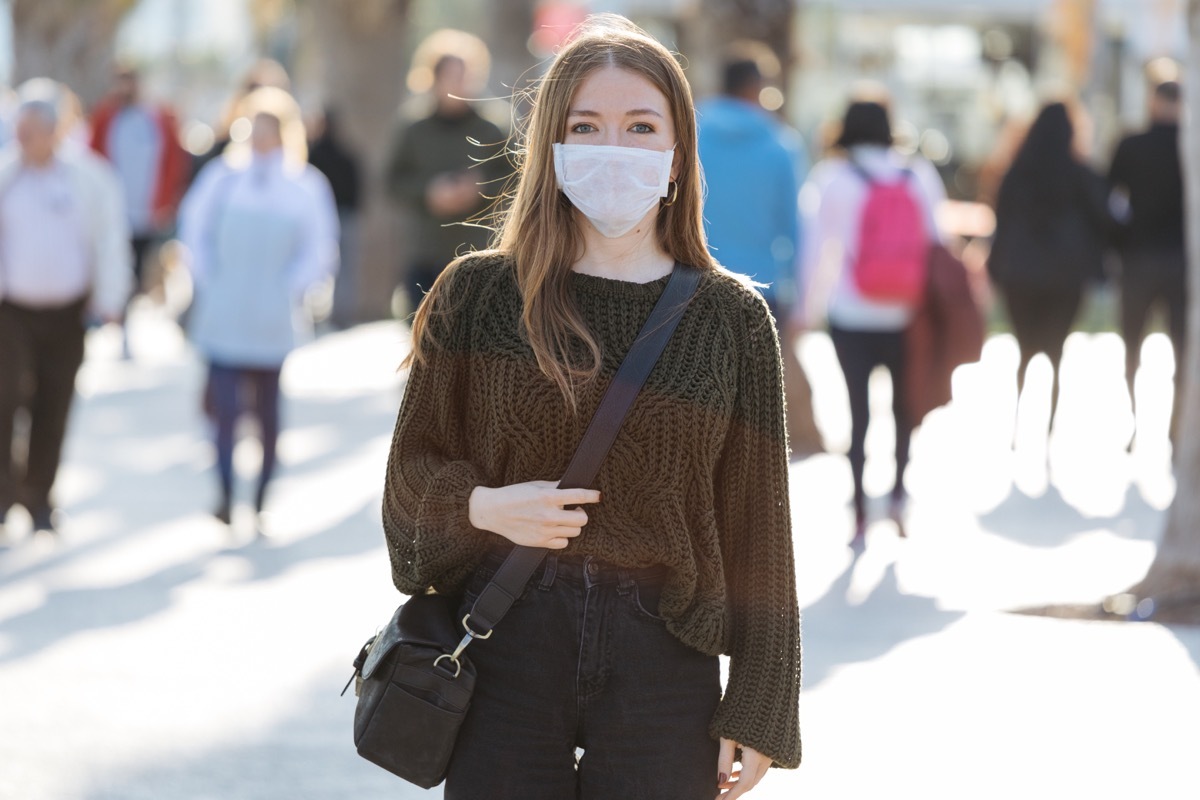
<point>535,514</point>
<point>566,518</point>
<point>725,763</point>
<point>574,497</point>
<point>754,767</point>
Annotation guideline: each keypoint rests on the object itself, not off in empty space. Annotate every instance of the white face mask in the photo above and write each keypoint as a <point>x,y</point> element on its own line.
<point>614,187</point>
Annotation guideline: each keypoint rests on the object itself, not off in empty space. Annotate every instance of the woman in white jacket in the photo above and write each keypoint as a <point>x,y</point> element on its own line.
<point>867,332</point>
<point>260,227</point>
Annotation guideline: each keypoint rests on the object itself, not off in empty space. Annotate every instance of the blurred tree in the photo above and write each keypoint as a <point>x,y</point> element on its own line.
<point>70,41</point>
<point>716,23</point>
<point>363,62</point>
<point>1175,572</point>
<point>511,24</point>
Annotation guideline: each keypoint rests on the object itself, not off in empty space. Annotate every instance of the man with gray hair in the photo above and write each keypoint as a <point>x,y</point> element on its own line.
<point>64,257</point>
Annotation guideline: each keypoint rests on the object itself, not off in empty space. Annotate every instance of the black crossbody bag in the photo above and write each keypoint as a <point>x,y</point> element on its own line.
<point>414,680</point>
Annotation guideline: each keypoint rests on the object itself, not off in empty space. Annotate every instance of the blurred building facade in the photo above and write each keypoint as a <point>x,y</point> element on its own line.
<point>960,71</point>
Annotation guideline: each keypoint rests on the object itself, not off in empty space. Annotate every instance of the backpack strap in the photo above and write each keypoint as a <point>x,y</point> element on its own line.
<point>906,172</point>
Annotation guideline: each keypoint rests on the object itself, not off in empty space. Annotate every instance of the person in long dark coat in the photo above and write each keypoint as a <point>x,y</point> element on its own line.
<point>1052,223</point>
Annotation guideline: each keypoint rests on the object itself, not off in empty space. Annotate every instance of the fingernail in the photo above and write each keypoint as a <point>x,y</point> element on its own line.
<point>722,778</point>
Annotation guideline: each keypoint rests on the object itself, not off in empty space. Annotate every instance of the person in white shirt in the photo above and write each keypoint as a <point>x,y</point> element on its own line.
<point>64,256</point>
<point>866,332</point>
<point>261,229</point>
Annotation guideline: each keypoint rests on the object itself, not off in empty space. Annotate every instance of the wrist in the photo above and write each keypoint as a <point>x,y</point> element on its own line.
<point>475,504</point>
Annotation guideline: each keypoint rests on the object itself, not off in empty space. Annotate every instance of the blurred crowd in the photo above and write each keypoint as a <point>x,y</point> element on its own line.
<point>100,206</point>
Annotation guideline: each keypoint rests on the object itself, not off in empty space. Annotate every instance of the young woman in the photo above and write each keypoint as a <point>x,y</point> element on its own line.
<point>261,227</point>
<point>1052,226</point>
<point>682,550</point>
<point>867,332</point>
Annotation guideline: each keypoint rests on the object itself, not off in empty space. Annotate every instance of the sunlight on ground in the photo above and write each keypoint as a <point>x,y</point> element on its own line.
<point>182,651</point>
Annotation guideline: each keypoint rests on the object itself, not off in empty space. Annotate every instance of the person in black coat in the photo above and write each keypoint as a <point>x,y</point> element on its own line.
<point>1146,173</point>
<point>1052,224</point>
<point>330,154</point>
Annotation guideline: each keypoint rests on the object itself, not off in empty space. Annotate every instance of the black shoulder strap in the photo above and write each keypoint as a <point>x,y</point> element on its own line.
<point>510,579</point>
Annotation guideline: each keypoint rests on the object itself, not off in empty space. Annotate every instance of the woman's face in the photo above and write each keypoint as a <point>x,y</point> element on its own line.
<point>617,107</point>
<point>265,134</point>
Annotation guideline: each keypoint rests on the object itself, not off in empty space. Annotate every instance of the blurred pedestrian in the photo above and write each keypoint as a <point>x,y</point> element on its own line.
<point>64,254</point>
<point>263,72</point>
<point>872,220</point>
<point>753,165</point>
<point>443,167</point>
<point>260,226</point>
<point>329,153</point>
<point>141,139</point>
<point>684,550</point>
<point>1147,175</point>
<point>1052,223</point>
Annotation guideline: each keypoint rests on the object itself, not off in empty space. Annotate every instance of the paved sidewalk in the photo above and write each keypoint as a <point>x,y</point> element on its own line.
<point>151,655</point>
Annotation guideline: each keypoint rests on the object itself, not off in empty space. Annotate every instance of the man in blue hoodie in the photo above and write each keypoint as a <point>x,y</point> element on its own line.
<point>754,166</point>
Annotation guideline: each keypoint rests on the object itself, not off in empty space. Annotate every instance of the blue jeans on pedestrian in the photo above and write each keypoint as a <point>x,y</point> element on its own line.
<point>235,390</point>
<point>583,661</point>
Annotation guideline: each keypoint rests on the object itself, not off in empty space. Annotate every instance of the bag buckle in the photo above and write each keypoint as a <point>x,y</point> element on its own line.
<point>469,637</point>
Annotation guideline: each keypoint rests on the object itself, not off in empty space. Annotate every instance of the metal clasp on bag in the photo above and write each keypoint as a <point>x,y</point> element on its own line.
<point>466,640</point>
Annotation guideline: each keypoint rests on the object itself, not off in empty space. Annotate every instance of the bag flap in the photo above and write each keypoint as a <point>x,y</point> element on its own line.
<point>426,619</point>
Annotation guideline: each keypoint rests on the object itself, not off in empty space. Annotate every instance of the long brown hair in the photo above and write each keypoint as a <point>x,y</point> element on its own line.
<point>540,231</point>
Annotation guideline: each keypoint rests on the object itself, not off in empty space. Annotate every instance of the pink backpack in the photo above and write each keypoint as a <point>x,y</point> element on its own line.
<point>893,247</point>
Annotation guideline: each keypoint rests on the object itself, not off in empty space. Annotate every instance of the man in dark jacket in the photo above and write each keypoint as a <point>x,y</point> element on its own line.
<point>1146,173</point>
<point>443,169</point>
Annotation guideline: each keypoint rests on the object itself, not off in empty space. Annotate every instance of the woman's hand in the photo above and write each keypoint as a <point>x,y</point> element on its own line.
<point>531,514</point>
<point>754,767</point>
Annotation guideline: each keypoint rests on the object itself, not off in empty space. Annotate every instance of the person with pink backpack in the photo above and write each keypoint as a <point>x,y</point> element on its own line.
<point>870,223</point>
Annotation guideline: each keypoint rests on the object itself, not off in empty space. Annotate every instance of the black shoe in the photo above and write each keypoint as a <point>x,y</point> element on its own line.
<point>223,512</point>
<point>897,511</point>
<point>43,520</point>
<point>859,542</point>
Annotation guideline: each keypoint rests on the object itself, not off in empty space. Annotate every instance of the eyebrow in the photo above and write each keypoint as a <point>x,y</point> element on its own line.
<point>637,112</point>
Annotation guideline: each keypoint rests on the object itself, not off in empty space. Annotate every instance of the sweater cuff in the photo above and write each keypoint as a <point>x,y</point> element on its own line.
<point>780,742</point>
<point>443,520</point>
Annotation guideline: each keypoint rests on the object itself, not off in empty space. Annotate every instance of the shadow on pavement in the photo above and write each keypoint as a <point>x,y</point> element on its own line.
<point>1048,520</point>
<point>862,632</point>
<point>68,612</point>
<point>307,756</point>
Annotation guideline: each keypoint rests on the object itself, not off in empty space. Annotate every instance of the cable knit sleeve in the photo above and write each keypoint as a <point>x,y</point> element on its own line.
<point>760,708</point>
<point>430,475</point>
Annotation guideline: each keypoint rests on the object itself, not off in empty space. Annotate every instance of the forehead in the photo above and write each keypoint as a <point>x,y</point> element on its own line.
<point>616,90</point>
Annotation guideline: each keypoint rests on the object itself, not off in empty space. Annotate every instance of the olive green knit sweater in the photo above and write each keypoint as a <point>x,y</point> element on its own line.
<point>697,479</point>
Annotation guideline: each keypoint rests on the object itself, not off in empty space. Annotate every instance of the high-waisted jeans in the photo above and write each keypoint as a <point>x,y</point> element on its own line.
<point>583,661</point>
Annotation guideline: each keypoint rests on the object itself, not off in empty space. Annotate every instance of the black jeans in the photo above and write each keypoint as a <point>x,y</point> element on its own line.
<point>584,661</point>
<point>859,352</point>
<point>40,352</point>
<point>1149,279</point>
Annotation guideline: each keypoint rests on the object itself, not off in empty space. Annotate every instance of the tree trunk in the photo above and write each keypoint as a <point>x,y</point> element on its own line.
<point>511,24</point>
<point>362,66</point>
<point>1176,567</point>
<point>70,41</point>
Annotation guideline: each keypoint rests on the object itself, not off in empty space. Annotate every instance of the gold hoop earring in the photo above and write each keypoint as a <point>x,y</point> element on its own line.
<point>672,193</point>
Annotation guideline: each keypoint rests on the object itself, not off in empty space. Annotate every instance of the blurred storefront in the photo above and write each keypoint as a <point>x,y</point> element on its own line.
<point>962,72</point>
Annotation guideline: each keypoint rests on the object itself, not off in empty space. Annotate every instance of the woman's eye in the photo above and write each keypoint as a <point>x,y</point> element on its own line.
<point>642,127</point>
<point>583,127</point>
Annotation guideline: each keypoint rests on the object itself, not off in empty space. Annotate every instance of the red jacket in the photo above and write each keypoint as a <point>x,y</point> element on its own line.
<point>946,332</point>
<point>171,178</point>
